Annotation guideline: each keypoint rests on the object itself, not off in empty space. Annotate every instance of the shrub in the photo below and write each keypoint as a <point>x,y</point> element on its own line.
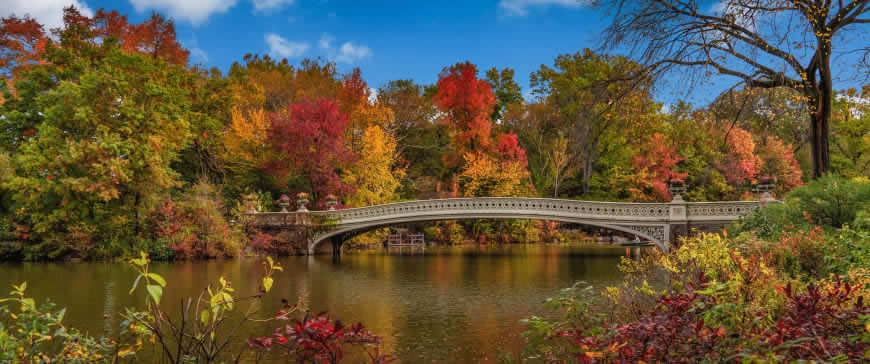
<point>36,334</point>
<point>194,226</point>
<point>832,201</point>
<point>829,202</point>
<point>318,339</point>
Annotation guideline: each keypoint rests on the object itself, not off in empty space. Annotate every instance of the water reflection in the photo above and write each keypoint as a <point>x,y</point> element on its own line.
<point>449,304</point>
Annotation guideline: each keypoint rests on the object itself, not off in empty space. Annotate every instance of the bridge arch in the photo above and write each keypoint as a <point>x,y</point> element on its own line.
<point>346,232</point>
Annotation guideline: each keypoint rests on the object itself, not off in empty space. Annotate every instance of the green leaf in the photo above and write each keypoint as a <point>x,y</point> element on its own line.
<point>203,316</point>
<point>155,291</point>
<point>157,278</point>
<point>23,286</point>
<point>28,303</point>
<point>267,283</point>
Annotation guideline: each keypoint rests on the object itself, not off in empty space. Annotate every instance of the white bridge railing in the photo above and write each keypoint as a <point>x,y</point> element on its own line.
<point>652,220</point>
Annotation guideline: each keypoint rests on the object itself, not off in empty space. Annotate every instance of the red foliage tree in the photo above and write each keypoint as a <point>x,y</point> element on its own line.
<point>655,163</point>
<point>779,161</point>
<point>509,149</point>
<point>741,163</point>
<point>307,139</point>
<point>21,41</point>
<point>467,103</point>
<point>354,91</point>
<point>156,36</point>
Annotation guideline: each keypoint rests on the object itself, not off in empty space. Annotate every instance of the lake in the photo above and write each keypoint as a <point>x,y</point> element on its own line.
<point>452,304</point>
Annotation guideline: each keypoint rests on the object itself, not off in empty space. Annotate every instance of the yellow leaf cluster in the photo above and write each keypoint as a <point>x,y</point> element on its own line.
<point>375,176</point>
<point>486,176</point>
<point>245,138</point>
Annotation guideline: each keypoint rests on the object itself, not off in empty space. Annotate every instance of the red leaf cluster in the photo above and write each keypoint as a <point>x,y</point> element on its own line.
<point>672,331</point>
<point>317,339</point>
<point>467,103</point>
<point>820,324</point>
<point>509,149</point>
<point>308,139</point>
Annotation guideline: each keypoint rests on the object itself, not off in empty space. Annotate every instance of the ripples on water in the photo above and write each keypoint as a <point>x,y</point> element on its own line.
<point>455,304</point>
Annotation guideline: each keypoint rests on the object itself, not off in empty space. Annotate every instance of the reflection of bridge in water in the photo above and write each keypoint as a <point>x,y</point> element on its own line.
<point>660,223</point>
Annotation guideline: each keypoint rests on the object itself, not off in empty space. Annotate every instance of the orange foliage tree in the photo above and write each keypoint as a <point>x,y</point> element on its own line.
<point>467,103</point>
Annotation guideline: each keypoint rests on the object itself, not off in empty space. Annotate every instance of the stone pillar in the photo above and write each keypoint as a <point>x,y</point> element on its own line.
<point>678,221</point>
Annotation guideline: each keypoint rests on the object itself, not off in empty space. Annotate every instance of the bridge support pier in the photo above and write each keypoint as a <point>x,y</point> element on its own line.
<point>336,242</point>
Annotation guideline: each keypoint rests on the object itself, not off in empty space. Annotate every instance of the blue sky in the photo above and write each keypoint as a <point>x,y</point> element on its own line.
<point>388,39</point>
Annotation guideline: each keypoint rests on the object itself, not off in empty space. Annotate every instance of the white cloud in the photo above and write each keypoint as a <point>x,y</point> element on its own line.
<point>279,46</point>
<point>194,11</point>
<point>198,54</point>
<point>47,12</point>
<point>521,7</point>
<point>264,5</point>
<point>348,53</point>
<point>326,41</point>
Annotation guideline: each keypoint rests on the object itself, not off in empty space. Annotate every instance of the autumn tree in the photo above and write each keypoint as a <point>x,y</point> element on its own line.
<point>595,108</point>
<point>538,128</point>
<point>488,176</point>
<point>378,172</point>
<point>467,103</point>
<point>355,99</point>
<point>282,84</point>
<point>558,163</point>
<point>412,111</point>
<point>763,43</point>
<point>307,141</point>
<point>654,167</point>
<point>423,141</point>
<point>106,129</point>
<point>22,40</point>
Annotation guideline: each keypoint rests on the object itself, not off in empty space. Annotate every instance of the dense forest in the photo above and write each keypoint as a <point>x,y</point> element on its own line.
<point>112,142</point>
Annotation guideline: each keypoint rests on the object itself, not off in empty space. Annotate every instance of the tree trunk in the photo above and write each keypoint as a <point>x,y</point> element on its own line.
<point>820,115</point>
<point>819,140</point>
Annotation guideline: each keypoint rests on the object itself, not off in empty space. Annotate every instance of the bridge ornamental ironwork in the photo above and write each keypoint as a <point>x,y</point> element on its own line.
<point>657,222</point>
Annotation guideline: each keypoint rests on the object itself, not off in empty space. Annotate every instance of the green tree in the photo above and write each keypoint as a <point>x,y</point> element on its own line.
<point>507,91</point>
<point>600,103</point>
<point>110,123</point>
<point>850,154</point>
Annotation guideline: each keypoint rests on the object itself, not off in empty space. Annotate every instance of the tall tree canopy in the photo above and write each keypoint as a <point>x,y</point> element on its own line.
<point>467,103</point>
<point>763,43</point>
<point>102,132</point>
<point>308,143</point>
<point>593,107</point>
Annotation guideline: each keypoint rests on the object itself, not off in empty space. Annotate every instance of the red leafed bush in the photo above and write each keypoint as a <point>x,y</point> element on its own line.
<point>808,249</point>
<point>820,324</point>
<point>672,331</point>
<point>318,339</point>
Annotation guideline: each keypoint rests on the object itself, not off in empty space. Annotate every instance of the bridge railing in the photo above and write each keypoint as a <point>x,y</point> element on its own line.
<point>525,207</point>
<point>497,205</point>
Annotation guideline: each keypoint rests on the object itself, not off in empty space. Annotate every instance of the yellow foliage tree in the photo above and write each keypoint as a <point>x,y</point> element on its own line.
<point>487,176</point>
<point>376,175</point>
<point>245,139</point>
<point>364,116</point>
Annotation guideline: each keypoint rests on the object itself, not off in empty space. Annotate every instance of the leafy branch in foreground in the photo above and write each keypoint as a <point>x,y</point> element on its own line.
<point>199,332</point>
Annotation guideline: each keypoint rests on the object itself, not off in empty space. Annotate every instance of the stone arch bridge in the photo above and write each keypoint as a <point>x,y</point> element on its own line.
<point>660,223</point>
